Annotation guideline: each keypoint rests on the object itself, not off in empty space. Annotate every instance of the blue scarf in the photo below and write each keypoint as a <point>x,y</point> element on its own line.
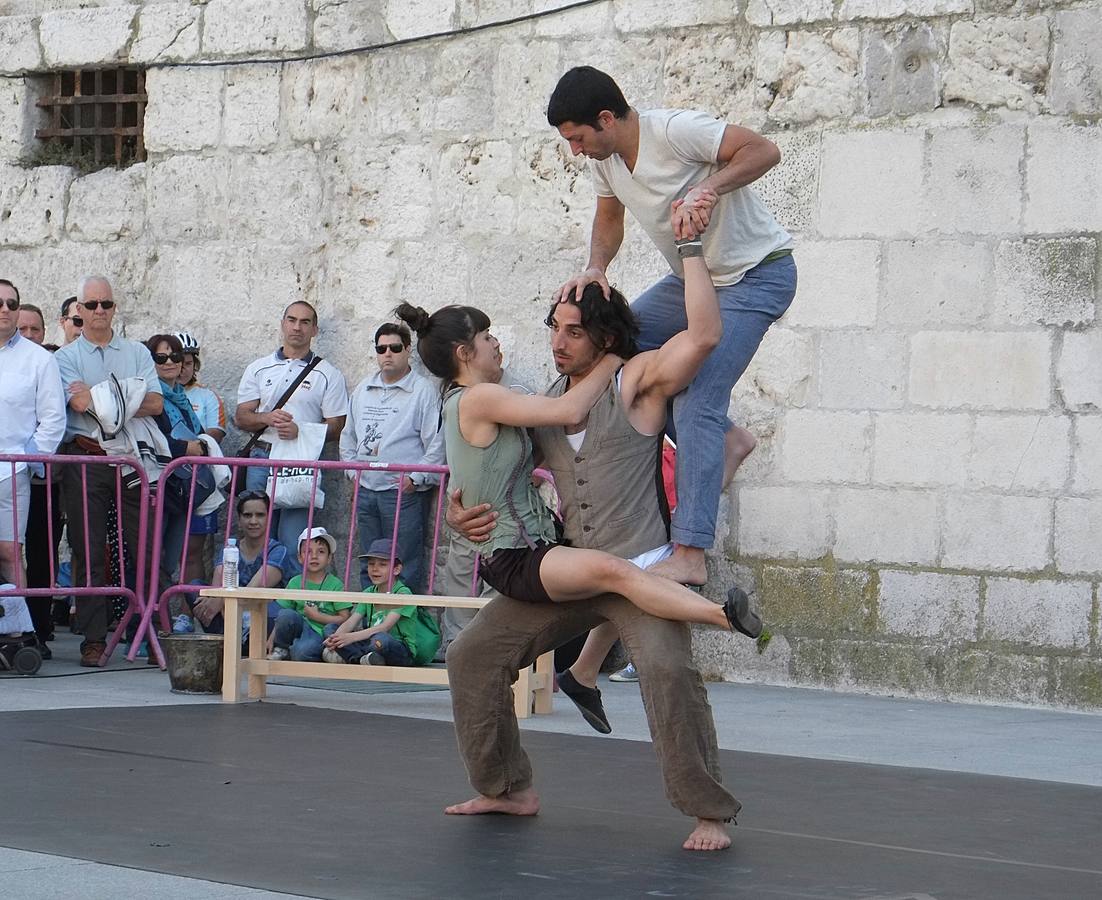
<point>178,407</point>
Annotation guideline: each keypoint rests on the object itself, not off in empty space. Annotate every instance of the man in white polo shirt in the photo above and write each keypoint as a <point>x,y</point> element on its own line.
<point>322,396</point>
<point>33,421</point>
<point>645,161</point>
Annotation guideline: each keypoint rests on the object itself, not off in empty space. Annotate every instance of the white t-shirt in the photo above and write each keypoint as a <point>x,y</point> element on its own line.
<point>677,150</point>
<point>321,395</point>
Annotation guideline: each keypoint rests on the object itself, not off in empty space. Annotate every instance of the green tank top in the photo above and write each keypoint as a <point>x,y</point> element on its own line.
<point>500,475</point>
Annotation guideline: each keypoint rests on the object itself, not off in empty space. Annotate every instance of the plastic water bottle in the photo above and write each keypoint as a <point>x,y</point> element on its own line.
<point>231,556</point>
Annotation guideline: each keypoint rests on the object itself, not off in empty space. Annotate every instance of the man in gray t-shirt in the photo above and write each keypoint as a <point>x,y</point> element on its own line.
<point>646,161</point>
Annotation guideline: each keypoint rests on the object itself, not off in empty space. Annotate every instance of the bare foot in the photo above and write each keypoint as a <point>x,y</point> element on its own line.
<point>519,803</point>
<point>686,565</point>
<point>709,834</point>
<point>738,445</point>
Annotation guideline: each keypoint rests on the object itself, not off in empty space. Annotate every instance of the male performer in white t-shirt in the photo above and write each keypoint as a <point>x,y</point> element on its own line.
<point>644,161</point>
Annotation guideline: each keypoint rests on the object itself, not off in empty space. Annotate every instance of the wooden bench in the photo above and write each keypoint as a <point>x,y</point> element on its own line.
<point>531,693</point>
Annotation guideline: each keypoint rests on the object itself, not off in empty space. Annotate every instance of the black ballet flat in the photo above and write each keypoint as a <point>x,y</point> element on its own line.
<point>739,614</point>
<point>588,701</point>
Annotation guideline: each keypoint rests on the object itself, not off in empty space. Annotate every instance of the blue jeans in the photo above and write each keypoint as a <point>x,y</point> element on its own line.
<point>292,631</point>
<point>700,411</point>
<point>375,519</point>
<point>287,524</point>
<point>392,649</point>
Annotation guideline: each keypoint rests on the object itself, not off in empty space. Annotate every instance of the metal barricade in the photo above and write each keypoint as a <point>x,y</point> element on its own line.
<point>136,594</point>
<point>158,600</point>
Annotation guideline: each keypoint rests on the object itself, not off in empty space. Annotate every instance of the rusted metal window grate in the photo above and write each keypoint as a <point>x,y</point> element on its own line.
<point>98,113</point>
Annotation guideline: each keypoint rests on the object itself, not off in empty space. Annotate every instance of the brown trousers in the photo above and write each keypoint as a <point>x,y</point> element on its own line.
<point>508,634</point>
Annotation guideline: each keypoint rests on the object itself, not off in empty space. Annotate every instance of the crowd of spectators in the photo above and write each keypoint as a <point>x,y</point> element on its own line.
<point>98,393</point>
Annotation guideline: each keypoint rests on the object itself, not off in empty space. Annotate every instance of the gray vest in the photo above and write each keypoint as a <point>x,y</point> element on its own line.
<point>611,489</point>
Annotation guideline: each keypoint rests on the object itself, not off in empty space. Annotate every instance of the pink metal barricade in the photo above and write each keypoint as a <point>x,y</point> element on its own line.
<point>135,595</point>
<point>158,601</point>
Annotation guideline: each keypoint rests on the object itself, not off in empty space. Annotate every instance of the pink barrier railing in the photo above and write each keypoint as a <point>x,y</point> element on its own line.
<point>158,600</point>
<point>135,595</point>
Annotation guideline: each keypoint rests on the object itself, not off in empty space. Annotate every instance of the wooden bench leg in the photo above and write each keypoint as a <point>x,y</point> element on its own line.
<point>522,693</point>
<point>545,684</point>
<point>231,651</point>
<point>258,646</point>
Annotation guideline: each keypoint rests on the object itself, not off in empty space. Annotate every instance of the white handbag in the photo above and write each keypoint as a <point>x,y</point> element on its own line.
<point>291,490</point>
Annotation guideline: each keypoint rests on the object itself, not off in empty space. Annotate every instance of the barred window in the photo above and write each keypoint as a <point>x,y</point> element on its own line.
<point>94,117</point>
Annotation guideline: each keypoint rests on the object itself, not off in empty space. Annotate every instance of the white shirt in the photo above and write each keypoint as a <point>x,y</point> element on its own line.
<point>394,423</point>
<point>32,400</point>
<point>677,150</point>
<point>321,395</point>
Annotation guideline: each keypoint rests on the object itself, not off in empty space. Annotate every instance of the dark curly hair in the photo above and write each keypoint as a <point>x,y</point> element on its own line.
<point>610,324</point>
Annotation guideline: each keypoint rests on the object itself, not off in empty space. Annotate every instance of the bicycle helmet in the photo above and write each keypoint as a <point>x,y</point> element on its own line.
<point>191,345</point>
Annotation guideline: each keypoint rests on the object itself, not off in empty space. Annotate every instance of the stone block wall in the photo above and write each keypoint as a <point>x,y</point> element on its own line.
<point>923,513</point>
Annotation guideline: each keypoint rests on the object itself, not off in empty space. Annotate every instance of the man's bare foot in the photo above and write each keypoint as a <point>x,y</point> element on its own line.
<point>709,834</point>
<point>519,803</point>
<point>738,445</point>
<point>686,565</point>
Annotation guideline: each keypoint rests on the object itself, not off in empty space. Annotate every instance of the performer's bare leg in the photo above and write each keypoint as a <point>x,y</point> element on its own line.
<point>709,834</point>
<point>525,802</point>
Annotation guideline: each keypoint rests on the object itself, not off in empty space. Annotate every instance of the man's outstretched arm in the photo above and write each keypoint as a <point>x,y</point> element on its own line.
<point>604,244</point>
<point>662,373</point>
<point>744,156</point>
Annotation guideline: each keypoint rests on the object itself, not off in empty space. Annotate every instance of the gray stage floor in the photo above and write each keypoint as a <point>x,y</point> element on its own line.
<point>325,804</point>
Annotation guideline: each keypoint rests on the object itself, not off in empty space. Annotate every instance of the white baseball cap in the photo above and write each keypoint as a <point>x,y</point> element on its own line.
<point>318,533</point>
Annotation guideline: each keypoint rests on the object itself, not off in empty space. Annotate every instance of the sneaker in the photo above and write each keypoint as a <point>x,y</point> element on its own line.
<point>182,624</point>
<point>329,655</point>
<point>90,654</point>
<point>587,699</point>
<point>627,673</point>
<point>279,653</point>
<point>373,659</point>
<point>739,614</point>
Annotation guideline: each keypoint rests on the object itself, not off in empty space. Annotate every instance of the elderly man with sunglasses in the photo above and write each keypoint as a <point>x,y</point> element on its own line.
<point>394,417</point>
<point>93,357</point>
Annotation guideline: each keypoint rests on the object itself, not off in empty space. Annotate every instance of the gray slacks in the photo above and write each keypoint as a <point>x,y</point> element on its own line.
<point>508,634</point>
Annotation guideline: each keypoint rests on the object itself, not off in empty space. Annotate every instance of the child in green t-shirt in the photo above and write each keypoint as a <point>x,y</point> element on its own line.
<point>299,628</point>
<point>394,635</point>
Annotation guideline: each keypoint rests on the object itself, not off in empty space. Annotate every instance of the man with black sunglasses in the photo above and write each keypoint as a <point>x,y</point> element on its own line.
<point>394,416</point>
<point>96,355</point>
<point>71,323</point>
<point>33,421</point>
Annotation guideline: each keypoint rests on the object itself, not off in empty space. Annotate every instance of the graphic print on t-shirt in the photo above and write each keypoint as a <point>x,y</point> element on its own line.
<point>375,417</point>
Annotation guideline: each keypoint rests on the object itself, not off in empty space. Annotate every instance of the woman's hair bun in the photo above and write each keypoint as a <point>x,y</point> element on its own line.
<point>414,316</point>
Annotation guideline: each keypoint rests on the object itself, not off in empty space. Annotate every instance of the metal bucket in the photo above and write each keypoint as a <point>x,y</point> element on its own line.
<point>194,662</point>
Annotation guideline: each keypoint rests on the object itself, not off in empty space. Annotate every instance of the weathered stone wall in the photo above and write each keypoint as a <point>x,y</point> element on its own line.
<point>924,510</point>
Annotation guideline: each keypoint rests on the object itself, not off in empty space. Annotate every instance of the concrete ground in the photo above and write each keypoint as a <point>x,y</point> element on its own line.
<point>1039,744</point>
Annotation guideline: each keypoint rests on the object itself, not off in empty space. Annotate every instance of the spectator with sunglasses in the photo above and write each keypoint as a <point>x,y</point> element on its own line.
<point>96,355</point>
<point>181,426</point>
<point>33,422</point>
<point>71,323</point>
<point>212,416</point>
<point>394,417</point>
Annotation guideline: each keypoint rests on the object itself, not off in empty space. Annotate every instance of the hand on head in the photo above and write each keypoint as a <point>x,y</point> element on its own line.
<point>572,289</point>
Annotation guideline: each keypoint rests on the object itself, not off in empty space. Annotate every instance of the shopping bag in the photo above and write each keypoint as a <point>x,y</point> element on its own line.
<point>291,489</point>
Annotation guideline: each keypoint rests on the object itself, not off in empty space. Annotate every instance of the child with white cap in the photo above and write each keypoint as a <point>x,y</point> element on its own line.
<point>299,628</point>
